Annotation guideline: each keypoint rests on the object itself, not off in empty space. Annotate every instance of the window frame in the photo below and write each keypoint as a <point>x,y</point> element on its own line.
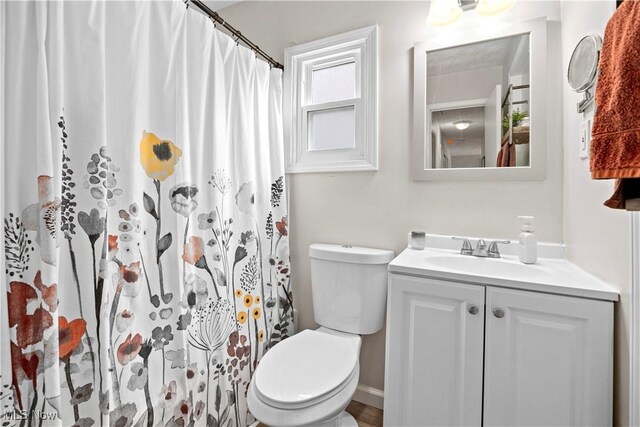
<point>360,47</point>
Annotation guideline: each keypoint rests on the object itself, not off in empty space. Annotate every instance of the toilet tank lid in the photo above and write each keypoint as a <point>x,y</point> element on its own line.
<point>350,254</point>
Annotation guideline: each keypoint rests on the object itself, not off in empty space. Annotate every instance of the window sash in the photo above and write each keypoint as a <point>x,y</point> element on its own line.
<point>328,61</point>
<point>303,123</point>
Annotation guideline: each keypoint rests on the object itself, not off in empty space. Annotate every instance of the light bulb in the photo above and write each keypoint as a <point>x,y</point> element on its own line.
<point>493,7</point>
<point>443,12</point>
<point>462,124</point>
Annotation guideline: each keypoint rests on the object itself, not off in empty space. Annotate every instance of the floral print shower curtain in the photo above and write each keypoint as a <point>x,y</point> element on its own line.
<point>146,258</point>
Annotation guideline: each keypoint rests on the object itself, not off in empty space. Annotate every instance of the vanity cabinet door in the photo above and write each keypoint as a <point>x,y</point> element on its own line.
<point>548,360</point>
<point>434,353</point>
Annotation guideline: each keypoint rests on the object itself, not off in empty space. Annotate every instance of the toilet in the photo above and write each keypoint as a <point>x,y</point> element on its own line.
<point>310,378</point>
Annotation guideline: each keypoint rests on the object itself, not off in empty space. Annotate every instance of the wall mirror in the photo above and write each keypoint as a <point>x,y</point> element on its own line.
<point>479,105</point>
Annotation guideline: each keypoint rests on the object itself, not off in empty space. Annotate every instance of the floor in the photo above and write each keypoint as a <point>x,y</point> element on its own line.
<point>366,416</point>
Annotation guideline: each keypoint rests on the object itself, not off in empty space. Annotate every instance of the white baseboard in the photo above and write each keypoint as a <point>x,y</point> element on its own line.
<point>369,396</point>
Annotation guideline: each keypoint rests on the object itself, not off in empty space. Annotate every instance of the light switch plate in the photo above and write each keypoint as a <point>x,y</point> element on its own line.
<point>584,137</point>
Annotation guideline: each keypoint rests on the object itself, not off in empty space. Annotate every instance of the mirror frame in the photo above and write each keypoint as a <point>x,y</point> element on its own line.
<point>421,143</point>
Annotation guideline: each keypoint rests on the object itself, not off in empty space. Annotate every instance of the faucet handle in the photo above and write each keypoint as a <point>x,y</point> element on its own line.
<point>493,251</point>
<point>466,245</point>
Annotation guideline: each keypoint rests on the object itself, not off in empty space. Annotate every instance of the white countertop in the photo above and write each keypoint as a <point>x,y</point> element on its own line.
<point>550,275</point>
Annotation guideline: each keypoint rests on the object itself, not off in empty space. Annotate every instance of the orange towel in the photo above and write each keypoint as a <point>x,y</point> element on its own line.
<point>506,156</point>
<point>615,145</point>
<point>512,155</point>
<point>626,189</point>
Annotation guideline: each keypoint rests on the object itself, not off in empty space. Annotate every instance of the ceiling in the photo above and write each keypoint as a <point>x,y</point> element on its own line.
<point>492,53</point>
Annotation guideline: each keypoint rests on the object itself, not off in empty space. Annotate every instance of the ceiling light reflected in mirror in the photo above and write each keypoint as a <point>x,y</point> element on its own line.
<point>462,124</point>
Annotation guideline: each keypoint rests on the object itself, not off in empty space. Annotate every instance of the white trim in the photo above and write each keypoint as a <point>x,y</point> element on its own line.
<point>360,46</point>
<point>634,357</point>
<point>537,28</point>
<point>369,396</point>
<point>455,105</point>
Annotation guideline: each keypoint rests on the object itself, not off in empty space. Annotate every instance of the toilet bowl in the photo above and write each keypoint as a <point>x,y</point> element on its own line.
<point>310,378</point>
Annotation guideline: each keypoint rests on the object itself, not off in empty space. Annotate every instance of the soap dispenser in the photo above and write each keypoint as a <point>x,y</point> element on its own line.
<point>528,243</point>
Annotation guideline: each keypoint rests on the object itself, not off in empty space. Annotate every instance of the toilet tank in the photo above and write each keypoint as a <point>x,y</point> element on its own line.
<point>349,287</point>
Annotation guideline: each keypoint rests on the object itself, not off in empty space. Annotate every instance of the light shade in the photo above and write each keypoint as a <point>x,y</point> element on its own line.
<point>443,12</point>
<point>493,7</point>
<point>462,124</point>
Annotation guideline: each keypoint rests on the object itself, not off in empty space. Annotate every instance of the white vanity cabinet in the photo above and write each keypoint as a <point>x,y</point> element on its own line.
<point>548,360</point>
<point>434,353</point>
<point>474,354</point>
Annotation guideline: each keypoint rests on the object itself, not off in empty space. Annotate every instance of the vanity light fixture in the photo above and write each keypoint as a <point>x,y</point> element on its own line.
<point>462,124</point>
<point>493,7</point>
<point>444,12</point>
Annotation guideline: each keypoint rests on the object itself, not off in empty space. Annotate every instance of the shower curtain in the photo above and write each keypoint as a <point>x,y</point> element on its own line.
<point>146,259</point>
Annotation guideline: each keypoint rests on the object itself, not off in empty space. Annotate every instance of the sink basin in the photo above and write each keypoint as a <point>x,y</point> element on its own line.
<point>494,267</point>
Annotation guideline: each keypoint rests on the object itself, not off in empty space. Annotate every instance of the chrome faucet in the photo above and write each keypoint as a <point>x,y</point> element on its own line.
<point>481,249</point>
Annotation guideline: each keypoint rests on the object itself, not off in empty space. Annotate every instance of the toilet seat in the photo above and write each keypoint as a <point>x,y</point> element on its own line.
<point>286,398</point>
<point>319,414</point>
<point>308,368</point>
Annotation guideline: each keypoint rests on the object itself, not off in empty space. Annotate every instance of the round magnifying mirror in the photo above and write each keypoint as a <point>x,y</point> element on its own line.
<point>583,65</point>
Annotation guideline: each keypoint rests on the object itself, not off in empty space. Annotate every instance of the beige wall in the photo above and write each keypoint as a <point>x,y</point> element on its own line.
<point>377,209</point>
<point>597,238</point>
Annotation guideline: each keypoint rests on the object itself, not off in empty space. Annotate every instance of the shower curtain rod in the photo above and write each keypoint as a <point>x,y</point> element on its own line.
<point>235,33</point>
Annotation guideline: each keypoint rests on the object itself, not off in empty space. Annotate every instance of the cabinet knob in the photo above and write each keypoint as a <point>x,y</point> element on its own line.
<point>472,309</point>
<point>498,312</point>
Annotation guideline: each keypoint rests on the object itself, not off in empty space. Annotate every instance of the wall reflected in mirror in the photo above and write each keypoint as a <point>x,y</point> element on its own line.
<point>478,103</point>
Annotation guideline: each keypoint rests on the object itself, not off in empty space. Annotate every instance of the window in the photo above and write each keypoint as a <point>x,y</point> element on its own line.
<point>331,104</point>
